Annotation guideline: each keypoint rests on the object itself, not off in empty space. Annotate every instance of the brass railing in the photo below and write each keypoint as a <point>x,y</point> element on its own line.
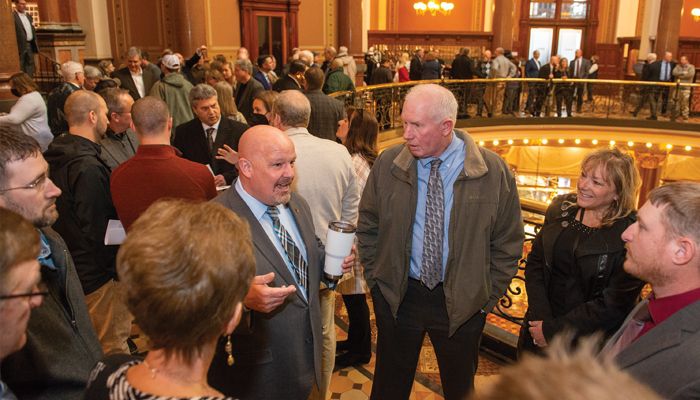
<point>524,97</point>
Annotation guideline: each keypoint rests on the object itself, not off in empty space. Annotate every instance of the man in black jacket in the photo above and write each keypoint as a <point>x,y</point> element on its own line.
<point>648,94</point>
<point>200,138</point>
<point>61,346</point>
<point>416,70</point>
<point>85,209</point>
<point>26,37</point>
<point>463,68</point>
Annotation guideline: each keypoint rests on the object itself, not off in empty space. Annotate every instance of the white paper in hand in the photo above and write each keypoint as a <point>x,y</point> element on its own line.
<point>115,232</point>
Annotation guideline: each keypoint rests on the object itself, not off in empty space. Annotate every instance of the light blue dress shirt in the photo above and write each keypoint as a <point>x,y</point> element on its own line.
<point>286,217</point>
<point>452,164</point>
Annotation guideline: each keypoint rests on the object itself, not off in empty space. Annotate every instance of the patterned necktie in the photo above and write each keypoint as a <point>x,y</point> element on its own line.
<point>577,74</point>
<point>293,252</point>
<point>431,267</point>
<point>210,139</point>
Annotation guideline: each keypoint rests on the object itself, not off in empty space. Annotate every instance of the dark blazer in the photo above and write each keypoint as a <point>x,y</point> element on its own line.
<point>260,77</point>
<point>416,70</point>
<point>585,67</point>
<point>462,68</point>
<point>531,69</point>
<point>191,140</point>
<point>666,358</point>
<point>127,82</point>
<point>545,71</point>
<point>653,71</point>
<point>285,83</point>
<point>381,76</point>
<point>325,114</point>
<point>62,347</point>
<point>609,293</point>
<point>22,34</point>
<point>244,100</point>
<point>279,357</point>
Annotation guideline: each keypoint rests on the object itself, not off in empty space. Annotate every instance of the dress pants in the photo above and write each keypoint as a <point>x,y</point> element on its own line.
<point>328,329</point>
<point>110,317</point>
<point>359,331</point>
<point>399,343</point>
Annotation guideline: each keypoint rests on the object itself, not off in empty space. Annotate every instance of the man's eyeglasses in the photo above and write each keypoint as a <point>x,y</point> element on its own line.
<point>38,183</point>
<point>40,290</point>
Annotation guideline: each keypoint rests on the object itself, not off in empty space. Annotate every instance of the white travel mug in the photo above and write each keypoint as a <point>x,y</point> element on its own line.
<point>339,240</point>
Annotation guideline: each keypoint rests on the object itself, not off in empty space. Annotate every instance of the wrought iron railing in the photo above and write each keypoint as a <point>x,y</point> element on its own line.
<point>46,75</point>
<point>524,97</point>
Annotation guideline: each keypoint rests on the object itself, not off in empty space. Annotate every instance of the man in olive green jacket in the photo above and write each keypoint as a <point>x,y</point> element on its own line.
<point>440,242</point>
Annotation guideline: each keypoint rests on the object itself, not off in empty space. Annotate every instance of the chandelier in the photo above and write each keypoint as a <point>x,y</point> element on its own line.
<point>444,8</point>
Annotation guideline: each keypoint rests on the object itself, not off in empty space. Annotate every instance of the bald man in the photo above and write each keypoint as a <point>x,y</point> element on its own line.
<point>85,208</point>
<point>279,354</point>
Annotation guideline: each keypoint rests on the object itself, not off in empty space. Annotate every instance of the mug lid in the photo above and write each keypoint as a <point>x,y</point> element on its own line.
<point>342,226</point>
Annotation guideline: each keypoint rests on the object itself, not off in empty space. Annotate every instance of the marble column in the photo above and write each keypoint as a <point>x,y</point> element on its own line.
<point>9,57</point>
<point>59,35</point>
<point>669,27</point>
<point>350,33</point>
<point>503,22</point>
<point>650,166</point>
<point>190,21</point>
<point>650,21</point>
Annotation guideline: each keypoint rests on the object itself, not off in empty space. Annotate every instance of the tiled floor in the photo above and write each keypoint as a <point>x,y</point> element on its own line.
<point>356,383</point>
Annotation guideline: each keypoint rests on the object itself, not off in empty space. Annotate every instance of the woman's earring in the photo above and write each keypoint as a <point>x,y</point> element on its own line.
<point>229,350</point>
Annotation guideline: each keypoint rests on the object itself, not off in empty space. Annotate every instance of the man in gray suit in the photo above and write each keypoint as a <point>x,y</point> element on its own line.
<point>277,352</point>
<point>659,343</point>
<point>578,69</point>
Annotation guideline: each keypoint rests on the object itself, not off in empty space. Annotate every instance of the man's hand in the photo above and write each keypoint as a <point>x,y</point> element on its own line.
<point>219,180</point>
<point>264,298</point>
<point>349,261</point>
<point>537,334</point>
<point>228,154</point>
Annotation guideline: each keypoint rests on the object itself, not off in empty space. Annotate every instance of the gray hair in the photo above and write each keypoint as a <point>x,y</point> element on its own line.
<point>442,104</point>
<point>293,109</point>
<point>651,57</point>
<point>244,65</point>
<point>92,72</point>
<point>69,69</point>
<point>201,92</point>
<point>307,57</point>
<point>133,52</point>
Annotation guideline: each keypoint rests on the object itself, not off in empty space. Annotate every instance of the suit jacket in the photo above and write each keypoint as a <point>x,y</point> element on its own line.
<point>127,82</point>
<point>653,71</point>
<point>416,70</point>
<point>462,68</point>
<point>585,67</point>
<point>191,140</point>
<point>531,69</point>
<point>280,355</point>
<point>325,114</point>
<point>22,42</point>
<point>285,83</point>
<point>667,358</point>
<point>260,77</point>
<point>244,100</point>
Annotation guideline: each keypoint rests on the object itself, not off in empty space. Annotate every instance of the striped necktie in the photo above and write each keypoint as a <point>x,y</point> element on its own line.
<point>293,253</point>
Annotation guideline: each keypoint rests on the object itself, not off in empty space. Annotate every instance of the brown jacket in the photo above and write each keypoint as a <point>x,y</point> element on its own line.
<point>485,232</point>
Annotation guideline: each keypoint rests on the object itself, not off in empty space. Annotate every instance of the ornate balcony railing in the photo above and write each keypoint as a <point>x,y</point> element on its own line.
<point>522,97</point>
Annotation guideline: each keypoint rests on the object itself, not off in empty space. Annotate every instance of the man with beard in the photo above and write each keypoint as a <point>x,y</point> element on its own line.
<point>61,344</point>
<point>85,210</point>
<point>277,348</point>
<point>659,343</point>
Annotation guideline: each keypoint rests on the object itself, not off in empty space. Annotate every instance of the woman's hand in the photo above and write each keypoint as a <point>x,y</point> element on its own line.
<point>228,154</point>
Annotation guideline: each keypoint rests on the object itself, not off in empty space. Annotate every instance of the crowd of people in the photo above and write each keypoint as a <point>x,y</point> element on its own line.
<point>226,176</point>
<point>563,98</point>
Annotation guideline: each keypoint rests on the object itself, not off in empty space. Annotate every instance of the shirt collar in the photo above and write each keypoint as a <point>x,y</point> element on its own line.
<point>44,257</point>
<point>137,73</point>
<point>663,308</point>
<point>257,207</point>
<point>297,131</point>
<point>451,149</point>
<point>215,126</point>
